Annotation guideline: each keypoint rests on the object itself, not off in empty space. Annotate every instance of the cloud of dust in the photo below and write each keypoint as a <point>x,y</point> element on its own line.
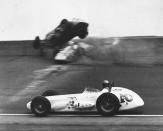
<point>123,50</point>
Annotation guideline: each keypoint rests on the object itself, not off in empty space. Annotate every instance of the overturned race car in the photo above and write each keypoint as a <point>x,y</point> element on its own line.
<point>106,102</point>
<point>59,38</point>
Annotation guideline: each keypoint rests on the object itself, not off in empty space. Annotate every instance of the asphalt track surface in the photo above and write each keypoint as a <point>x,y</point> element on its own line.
<point>82,123</point>
<point>22,78</point>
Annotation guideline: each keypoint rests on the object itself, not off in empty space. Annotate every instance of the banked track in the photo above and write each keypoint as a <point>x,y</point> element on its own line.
<point>19,72</point>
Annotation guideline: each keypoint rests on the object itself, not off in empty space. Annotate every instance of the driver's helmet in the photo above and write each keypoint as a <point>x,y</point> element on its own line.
<point>106,83</point>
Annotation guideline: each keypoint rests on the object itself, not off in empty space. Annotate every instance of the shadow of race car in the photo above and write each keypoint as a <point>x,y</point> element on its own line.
<point>106,102</point>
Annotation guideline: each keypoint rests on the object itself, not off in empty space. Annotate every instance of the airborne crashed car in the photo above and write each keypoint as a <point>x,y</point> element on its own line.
<point>106,102</point>
<point>60,40</point>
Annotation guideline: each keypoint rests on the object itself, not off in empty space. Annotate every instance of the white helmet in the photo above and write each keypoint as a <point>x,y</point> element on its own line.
<point>106,83</point>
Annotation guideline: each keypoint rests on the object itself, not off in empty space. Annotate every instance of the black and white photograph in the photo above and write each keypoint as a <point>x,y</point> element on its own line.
<point>81,65</point>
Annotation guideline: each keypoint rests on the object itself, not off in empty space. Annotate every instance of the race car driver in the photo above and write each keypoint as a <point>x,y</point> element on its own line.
<point>107,85</point>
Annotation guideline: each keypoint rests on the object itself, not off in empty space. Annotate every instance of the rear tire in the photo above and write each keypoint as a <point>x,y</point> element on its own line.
<point>49,93</point>
<point>36,42</point>
<point>107,104</point>
<point>40,106</point>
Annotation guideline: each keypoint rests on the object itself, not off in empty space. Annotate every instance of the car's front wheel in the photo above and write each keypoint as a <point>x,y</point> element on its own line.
<point>107,104</point>
<point>40,106</point>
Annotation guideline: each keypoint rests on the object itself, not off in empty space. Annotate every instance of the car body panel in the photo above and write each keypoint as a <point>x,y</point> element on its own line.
<point>67,54</point>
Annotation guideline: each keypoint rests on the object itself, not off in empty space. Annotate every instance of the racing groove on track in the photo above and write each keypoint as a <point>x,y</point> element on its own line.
<point>19,74</point>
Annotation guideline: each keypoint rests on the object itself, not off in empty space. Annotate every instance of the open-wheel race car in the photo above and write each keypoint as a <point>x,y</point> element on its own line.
<point>60,38</point>
<point>106,102</point>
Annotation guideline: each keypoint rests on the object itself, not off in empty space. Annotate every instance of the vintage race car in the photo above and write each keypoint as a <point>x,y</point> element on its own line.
<point>106,102</point>
<point>68,54</point>
<point>62,34</point>
<point>59,38</point>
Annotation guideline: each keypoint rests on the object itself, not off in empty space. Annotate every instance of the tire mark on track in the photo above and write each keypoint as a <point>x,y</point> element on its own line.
<point>39,79</point>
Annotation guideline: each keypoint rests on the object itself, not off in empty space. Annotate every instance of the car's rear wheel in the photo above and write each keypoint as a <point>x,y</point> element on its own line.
<point>36,43</point>
<point>107,104</point>
<point>40,106</point>
<point>49,93</point>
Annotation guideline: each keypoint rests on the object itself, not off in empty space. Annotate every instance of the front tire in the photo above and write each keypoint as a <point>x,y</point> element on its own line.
<point>40,106</point>
<point>107,104</point>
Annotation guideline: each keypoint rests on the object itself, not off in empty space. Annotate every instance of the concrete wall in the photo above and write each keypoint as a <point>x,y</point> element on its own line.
<point>139,50</point>
<point>134,50</point>
<point>17,48</point>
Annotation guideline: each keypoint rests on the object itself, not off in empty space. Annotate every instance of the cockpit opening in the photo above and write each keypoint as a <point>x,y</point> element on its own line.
<point>87,90</point>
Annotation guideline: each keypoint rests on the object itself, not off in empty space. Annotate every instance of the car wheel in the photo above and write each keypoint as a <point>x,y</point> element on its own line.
<point>49,93</point>
<point>36,43</point>
<point>40,106</point>
<point>107,104</point>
